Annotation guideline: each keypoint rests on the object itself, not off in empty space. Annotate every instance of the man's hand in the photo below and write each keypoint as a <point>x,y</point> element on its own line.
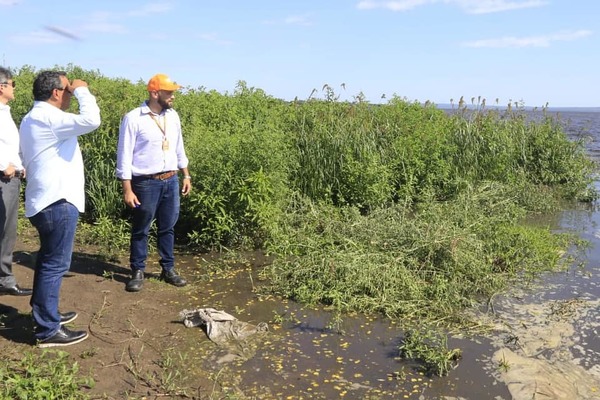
<point>186,187</point>
<point>131,199</point>
<point>10,171</point>
<point>75,84</point>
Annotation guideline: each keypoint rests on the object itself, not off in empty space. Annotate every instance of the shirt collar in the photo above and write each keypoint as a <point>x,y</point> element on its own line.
<point>45,104</point>
<point>146,110</point>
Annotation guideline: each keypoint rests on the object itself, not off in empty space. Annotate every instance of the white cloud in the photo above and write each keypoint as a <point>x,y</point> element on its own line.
<point>101,22</point>
<point>468,6</point>
<point>104,27</point>
<point>36,37</point>
<point>302,20</point>
<point>402,5</point>
<point>151,8</point>
<point>9,2</point>
<point>297,20</point>
<point>492,6</point>
<point>531,41</point>
<point>213,37</point>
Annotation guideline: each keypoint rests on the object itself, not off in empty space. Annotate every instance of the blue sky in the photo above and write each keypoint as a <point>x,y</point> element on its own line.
<point>528,51</point>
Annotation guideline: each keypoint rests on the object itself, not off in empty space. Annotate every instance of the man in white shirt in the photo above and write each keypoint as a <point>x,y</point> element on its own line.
<point>55,194</point>
<point>149,155</point>
<point>11,172</point>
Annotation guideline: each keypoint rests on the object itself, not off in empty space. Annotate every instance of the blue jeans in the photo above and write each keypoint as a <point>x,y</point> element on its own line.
<point>159,200</point>
<point>56,225</point>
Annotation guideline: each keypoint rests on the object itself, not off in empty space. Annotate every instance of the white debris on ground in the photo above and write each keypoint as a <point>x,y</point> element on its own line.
<point>220,326</point>
<point>534,357</point>
<point>239,339</point>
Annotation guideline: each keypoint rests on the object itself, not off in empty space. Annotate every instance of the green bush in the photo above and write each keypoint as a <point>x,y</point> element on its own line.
<point>249,151</point>
<point>398,208</point>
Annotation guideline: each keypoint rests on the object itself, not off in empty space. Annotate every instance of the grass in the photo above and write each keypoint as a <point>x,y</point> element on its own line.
<point>431,262</point>
<point>47,375</point>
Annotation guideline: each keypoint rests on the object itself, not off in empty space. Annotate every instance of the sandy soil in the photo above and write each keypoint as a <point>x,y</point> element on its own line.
<point>535,344</point>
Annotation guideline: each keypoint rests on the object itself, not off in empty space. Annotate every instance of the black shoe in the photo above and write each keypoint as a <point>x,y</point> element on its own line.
<point>64,337</point>
<point>15,291</point>
<point>172,278</point>
<point>67,317</point>
<point>136,282</point>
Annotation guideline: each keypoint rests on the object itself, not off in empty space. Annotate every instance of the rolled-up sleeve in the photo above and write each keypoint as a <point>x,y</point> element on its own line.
<point>86,121</point>
<point>182,160</point>
<point>125,149</point>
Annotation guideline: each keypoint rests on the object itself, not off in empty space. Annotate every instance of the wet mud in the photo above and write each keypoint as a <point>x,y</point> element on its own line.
<point>543,342</point>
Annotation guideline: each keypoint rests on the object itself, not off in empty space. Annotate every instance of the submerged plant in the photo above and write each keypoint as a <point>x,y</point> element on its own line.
<point>431,349</point>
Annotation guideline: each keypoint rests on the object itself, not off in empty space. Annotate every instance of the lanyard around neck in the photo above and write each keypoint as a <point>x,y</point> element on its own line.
<point>163,127</point>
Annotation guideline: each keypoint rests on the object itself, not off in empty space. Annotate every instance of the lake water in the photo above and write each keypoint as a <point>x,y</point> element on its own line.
<point>583,124</point>
<point>572,346</point>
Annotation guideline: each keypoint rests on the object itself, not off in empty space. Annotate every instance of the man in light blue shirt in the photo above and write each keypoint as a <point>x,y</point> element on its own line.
<point>149,155</point>
<point>55,193</point>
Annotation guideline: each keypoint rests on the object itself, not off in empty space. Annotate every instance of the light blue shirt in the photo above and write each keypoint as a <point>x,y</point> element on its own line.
<point>141,149</point>
<point>51,153</point>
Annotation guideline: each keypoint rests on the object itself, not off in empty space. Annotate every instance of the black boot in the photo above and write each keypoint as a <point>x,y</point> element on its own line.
<point>136,282</point>
<point>172,278</point>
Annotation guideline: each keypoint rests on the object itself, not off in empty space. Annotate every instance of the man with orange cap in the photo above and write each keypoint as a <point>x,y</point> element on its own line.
<point>150,154</point>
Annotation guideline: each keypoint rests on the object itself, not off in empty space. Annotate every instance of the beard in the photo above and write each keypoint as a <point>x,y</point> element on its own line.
<point>164,104</point>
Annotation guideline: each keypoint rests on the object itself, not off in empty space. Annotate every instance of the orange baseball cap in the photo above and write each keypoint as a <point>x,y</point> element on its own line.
<point>162,82</point>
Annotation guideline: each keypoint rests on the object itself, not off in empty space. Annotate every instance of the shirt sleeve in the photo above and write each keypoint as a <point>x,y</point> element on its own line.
<point>4,162</point>
<point>86,121</point>
<point>182,160</point>
<point>125,149</point>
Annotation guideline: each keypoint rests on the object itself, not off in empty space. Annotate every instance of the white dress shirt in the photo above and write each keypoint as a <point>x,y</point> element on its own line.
<point>140,150</point>
<point>51,153</point>
<point>9,140</point>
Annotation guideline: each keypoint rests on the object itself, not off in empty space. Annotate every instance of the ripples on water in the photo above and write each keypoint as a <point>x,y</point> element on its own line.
<point>583,125</point>
<point>578,124</point>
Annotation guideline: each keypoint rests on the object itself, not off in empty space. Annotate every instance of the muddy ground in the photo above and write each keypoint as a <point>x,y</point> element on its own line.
<point>139,348</point>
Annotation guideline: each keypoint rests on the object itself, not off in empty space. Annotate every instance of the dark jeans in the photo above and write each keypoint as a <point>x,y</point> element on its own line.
<point>56,225</point>
<point>159,200</point>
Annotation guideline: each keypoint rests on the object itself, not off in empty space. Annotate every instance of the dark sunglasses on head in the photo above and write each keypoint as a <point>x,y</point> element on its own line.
<point>13,84</point>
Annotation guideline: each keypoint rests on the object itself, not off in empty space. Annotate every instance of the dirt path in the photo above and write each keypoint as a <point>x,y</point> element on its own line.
<point>139,349</point>
<point>136,339</point>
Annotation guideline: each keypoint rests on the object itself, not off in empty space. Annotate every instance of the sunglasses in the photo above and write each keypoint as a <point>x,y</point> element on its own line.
<point>13,84</point>
<point>64,88</point>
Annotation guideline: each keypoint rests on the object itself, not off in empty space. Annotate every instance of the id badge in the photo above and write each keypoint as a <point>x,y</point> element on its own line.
<point>165,145</point>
